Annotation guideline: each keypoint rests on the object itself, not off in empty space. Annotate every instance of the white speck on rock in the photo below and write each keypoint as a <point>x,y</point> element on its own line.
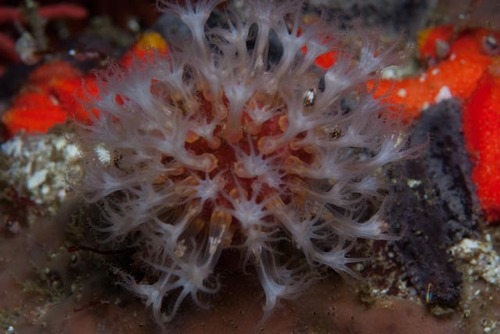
<point>443,94</point>
<point>36,179</point>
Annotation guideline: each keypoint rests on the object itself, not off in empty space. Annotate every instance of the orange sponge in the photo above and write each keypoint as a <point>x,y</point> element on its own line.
<point>481,125</point>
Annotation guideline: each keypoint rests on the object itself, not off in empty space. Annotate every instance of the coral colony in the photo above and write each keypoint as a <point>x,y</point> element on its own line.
<point>236,139</point>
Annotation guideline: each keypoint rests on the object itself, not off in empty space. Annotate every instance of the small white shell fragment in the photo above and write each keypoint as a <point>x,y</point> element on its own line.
<point>36,179</point>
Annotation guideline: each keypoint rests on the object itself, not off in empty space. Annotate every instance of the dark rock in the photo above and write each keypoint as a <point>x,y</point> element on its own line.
<point>435,205</point>
<point>394,17</point>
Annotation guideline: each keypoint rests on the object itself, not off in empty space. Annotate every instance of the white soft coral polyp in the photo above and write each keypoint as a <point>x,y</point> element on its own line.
<point>237,139</point>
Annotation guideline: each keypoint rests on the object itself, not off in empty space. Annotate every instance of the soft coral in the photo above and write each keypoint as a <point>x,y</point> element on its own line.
<point>230,140</point>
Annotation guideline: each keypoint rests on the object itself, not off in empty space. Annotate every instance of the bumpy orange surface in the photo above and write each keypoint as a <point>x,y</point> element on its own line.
<point>37,107</point>
<point>55,90</point>
<point>456,76</point>
<point>482,132</point>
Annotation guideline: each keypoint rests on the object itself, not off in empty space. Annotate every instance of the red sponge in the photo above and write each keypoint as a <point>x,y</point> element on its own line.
<point>481,125</point>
